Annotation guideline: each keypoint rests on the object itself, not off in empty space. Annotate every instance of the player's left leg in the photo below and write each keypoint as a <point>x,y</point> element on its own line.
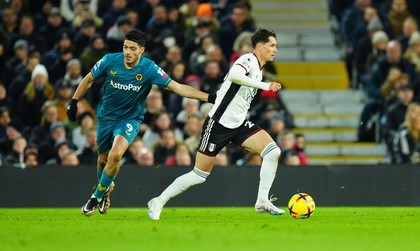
<point>262,143</point>
<point>112,167</point>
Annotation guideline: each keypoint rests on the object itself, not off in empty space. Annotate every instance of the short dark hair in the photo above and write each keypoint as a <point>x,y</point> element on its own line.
<point>261,35</point>
<point>136,36</point>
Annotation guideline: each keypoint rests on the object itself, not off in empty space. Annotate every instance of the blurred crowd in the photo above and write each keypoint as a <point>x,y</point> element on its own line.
<point>47,46</point>
<point>382,51</point>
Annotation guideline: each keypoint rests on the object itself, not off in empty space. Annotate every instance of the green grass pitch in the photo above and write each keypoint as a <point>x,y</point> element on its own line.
<point>329,228</point>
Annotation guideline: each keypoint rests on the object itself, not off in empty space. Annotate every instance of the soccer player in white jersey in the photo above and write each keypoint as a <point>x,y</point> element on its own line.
<point>227,122</point>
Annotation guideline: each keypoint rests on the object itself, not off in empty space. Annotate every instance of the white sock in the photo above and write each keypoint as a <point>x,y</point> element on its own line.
<point>270,155</point>
<point>182,183</point>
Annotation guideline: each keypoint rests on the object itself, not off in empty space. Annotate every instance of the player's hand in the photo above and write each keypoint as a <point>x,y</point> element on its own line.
<point>274,87</point>
<point>72,110</point>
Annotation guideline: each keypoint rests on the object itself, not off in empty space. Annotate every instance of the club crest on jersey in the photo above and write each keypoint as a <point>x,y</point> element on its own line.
<point>113,73</point>
<point>139,77</point>
<point>212,147</point>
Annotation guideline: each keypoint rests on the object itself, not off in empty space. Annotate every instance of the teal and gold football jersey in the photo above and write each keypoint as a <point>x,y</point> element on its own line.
<point>125,90</point>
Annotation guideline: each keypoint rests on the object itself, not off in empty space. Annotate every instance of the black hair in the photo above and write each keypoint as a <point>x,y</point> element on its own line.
<point>261,35</point>
<point>136,36</point>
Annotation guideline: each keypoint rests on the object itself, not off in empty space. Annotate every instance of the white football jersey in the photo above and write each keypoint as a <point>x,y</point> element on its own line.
<point>234,100</point>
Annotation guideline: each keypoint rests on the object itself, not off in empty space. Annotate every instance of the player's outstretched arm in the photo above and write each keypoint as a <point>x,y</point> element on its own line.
<point>84,86</point>
<point>237,75</point>
<point>187,91</point>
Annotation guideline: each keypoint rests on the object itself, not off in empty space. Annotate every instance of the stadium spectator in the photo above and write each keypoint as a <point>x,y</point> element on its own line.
<point>30,159</point>
<point>92,53</point>
<point>16,157</point>
<point>73,73</point>
<point>134,151</point>
<point>88,154</point>
<point>409,28</point>
<point>205,14</point>
<point>21,53</point>
<point>378,72</point>
<point>390,87</point>
<point>179,73</point>
<point>76,11</point>
<point>58,69</point>
<point>64,92</point>
<point>181,157</point>
<point>28,32</point>
<point>350,20</point>
<point>161,123</point>
<point>165,147</point>
<point>5,120</point>
<point>190,109</point>
<point>198,57</point>
<point>42,130</point>
<point>63,41</point>
<point>83,36</point>
<point>286,141</point>
<point>173,56</point>
<point>5,100</point>
<point>51,148</point>
<point>212,77</point>
<point>292,159</point>
<point>253,159</point>
<point>370,50</point>
<point>299,148</point>
<point>214,53</point>
<point>241,46</point>
<point>397,14</point>
<point>192,130</point>
<point>154,107</point>
<point>69,158</point>
<point>115,34</point>
<point>233,25</point>
<point>146,158</point>
<point>55,24</point>
<point>41,16</point>
<point>10,25</point>
<point>188,10</point>
<point>193,40</point>
<point>118,8</point>
<point>413,52</point>
<point>80,133</point>
<point>338,7</point>
<point>36,93</point>
<point>406,143</point>
<point>145,11</point>
<point>394,115</point>
<point>222,159</point>
<point>21,80</point>
<point>161,34</point>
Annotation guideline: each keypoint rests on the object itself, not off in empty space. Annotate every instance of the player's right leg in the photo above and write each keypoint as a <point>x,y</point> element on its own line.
<point>198,175</point>
<point>213,138</point>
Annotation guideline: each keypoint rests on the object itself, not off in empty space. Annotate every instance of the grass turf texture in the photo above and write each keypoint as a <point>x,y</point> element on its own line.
<point>344,228</point>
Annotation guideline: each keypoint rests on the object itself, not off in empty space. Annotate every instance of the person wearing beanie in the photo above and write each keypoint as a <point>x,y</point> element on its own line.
<point>38,90</point>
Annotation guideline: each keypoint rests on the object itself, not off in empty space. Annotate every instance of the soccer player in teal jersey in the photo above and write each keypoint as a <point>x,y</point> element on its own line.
<point>128,79</point>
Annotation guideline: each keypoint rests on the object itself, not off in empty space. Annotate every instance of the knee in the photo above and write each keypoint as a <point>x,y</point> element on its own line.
<point>272,152</point>
<point>101,162</point>
<point>114,157</point>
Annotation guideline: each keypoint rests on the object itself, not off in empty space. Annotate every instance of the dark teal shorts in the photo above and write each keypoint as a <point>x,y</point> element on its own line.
<point>107,130</point>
